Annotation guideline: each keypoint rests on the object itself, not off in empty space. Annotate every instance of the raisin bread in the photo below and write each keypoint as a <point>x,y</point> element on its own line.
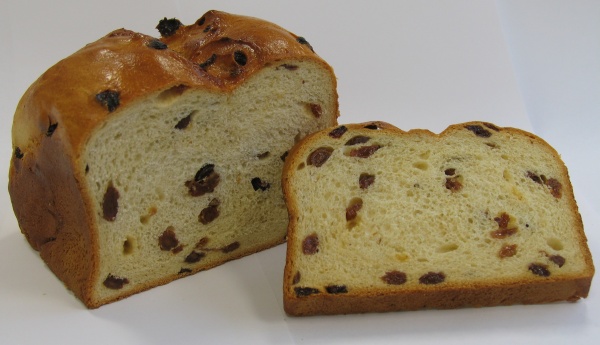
<point>383,220</point>
<point>138,160</point>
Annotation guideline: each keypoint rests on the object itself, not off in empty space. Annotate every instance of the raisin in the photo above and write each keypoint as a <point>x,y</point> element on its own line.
<point>555,188</point>
<point>503,233</point>
<point>394,278</point>
<point>352,210</point>
<point>230,247</point>
<point>479,131</point>
<point>209,213</point>
<point>51,129</point>
<point>177,249</point>
<point>257,184</point>
<point>205,171</point>
<point>319,156</point>
<point>450,172</point>
<point>110,203</point>
<point>284,156</point>
<point>453,184</point>
<point>115,283</point>
<point>535,178</point>
<point>207,29</point>
<point>205,181</point>
<point>558,260</point>
<point>296,279</point>
<point>372,126</point>
<point>502,220</point>
<point>539,269</point>
<point>168,27</point>
<point>365,180</point>
<point>338,132</point>
<point>184,123</point>
<point>109,99</point>
<point>201,21</point>
<point>289,67</point>
<point>335,289</point>
<point>305,291</point>
<point>508,251</point>
<point>316,109</point>
<point>491,126</point>
<point>310,245</point>
<point>365,151</point>
<point>359,139</point>
<point>263,155</point>
<point>168,240</point>
<point>302,40</point>
<point>18,153</point>
<point>208,62</point>
<point>240,58</point>
<point>202,242</point>
<point>194,257</point>
<point>156,44</point>
<point>184,271</point>
<point>430,278</point>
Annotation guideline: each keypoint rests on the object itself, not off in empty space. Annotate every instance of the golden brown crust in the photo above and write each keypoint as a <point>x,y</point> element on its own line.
<point>59,112</point>
<point>490,293</point>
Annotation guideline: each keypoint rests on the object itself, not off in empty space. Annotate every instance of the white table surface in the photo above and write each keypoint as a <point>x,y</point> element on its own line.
<point>416,64</point>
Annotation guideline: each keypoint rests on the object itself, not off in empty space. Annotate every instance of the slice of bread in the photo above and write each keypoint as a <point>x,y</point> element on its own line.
<point>140,160</point>
<point>384,220</point>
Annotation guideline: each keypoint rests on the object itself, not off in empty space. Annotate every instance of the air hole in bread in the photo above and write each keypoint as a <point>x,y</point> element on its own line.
<point>185,122</point>
<point>145,218</point>
<point>129,245</point>
<point>446,248</point>
<point>555,243</point>
<point>421,165</point>
<point>168,96</point>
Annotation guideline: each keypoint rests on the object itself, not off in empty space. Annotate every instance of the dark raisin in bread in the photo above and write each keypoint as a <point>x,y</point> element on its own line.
<point>139,160</point>
<point>382,220</point>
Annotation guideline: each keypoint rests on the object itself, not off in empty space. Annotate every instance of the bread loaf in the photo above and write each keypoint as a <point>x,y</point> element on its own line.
<point>138,160</point>
<point>384,220</point>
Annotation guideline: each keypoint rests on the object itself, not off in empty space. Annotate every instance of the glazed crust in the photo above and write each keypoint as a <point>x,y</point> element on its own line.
<point>61,110</point>
<point>480,294</point>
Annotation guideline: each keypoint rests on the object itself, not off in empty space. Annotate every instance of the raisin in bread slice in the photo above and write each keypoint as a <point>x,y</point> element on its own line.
<point>139,160</point>
<point>383,220</point>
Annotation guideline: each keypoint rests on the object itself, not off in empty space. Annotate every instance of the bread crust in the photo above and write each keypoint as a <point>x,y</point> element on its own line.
<point>60,111</point>
<point>445,296</point>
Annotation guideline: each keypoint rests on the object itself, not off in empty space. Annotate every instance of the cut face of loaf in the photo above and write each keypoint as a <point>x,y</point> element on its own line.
<point>138,161</point>
<point>383,220</point>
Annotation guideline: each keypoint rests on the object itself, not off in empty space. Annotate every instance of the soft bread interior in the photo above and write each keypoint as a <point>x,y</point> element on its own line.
<point>478,209</point>
<point>150,154</point>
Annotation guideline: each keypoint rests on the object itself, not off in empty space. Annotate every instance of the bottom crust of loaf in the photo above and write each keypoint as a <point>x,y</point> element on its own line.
<point>448,298</point>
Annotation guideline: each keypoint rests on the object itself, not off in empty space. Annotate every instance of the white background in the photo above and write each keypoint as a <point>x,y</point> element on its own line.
<point>416,64</point>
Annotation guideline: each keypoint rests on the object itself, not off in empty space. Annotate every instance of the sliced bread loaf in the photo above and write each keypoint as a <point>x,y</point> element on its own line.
<point>383,220</point>
<point>140,160</point>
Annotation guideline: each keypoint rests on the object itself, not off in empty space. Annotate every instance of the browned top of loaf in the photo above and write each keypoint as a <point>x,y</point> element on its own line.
<point>203,55</point>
